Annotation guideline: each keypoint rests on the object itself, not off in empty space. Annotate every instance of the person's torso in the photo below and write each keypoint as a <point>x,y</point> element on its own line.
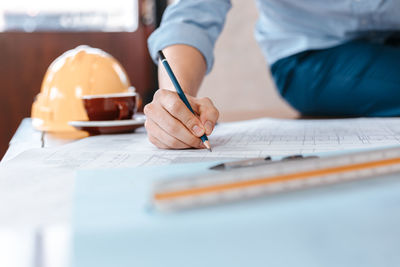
<point>290,26</point>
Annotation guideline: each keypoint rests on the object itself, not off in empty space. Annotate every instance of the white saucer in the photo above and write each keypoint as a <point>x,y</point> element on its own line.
<point>108,127</point>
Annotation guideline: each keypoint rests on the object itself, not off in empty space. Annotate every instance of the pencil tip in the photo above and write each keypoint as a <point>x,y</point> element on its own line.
<point>207,145</point>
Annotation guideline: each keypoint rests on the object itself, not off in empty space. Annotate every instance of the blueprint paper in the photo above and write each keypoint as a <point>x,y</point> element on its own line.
<point>39,182</point>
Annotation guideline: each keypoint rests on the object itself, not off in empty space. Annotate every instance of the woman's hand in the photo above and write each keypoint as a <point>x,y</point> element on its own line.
<point>170,124</point>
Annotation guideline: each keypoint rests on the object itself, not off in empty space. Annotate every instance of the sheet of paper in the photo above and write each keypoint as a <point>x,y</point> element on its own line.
<point>256,138</point>
<point>39,183</point>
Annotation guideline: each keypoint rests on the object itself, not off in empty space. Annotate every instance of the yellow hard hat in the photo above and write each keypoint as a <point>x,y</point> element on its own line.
<point>80,71</point>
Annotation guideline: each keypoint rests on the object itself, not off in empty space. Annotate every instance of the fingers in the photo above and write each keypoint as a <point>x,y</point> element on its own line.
<point>208,114</point>
<point>162,139</point>
<point>162,125</point>
<point>171,102</point>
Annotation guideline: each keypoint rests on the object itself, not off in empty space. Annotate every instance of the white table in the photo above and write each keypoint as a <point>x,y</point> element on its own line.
<point>26,137</point>
<point>34,247</point>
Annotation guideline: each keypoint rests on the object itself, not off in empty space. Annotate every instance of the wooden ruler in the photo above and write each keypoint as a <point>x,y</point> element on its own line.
<point>233,185</point>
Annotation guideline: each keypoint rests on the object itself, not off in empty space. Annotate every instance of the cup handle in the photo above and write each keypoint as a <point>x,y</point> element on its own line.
<point>123,109</point>
<point>138,102</point>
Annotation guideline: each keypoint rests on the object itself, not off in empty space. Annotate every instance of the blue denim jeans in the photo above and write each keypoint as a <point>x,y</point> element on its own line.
<point>357,78</point>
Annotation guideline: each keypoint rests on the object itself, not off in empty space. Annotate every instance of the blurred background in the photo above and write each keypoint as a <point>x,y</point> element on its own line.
<point>34,33</point>
<point>240,83</point>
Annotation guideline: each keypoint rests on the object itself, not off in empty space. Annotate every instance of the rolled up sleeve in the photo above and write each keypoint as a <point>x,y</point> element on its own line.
<point>191,22</point>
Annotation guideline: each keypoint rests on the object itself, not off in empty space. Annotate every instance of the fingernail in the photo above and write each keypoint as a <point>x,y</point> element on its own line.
<point>197,130</point>
<point>209,126</point>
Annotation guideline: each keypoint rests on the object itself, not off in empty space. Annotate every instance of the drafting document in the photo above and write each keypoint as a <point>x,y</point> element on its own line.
<point>256,138</point>
<point>39,182</point>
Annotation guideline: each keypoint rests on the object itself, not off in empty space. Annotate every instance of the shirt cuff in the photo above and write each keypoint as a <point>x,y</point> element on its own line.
<point>181,33</point>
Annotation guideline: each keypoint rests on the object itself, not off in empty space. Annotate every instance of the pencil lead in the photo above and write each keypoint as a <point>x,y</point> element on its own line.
<point>207,145</point>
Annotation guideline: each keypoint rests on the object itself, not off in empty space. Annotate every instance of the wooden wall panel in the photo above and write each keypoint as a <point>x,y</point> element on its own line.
<point>24,58</point>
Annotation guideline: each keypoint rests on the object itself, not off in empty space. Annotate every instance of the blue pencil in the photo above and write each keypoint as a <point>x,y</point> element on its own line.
<point>181,93</point>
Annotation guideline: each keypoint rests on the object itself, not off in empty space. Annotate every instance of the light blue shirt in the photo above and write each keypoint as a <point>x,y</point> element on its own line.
<point>284,27</point>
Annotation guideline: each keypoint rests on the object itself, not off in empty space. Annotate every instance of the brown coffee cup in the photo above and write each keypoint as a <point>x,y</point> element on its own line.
<point>111,106</point>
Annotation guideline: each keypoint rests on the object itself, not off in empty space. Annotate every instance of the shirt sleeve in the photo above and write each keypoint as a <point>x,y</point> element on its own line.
<point>191,22</point>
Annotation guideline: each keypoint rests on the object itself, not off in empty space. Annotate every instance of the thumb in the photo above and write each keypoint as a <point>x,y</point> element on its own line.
<point>207,112</point>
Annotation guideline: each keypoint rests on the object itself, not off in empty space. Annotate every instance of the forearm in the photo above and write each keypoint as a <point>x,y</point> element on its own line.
<point>188,65</point>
